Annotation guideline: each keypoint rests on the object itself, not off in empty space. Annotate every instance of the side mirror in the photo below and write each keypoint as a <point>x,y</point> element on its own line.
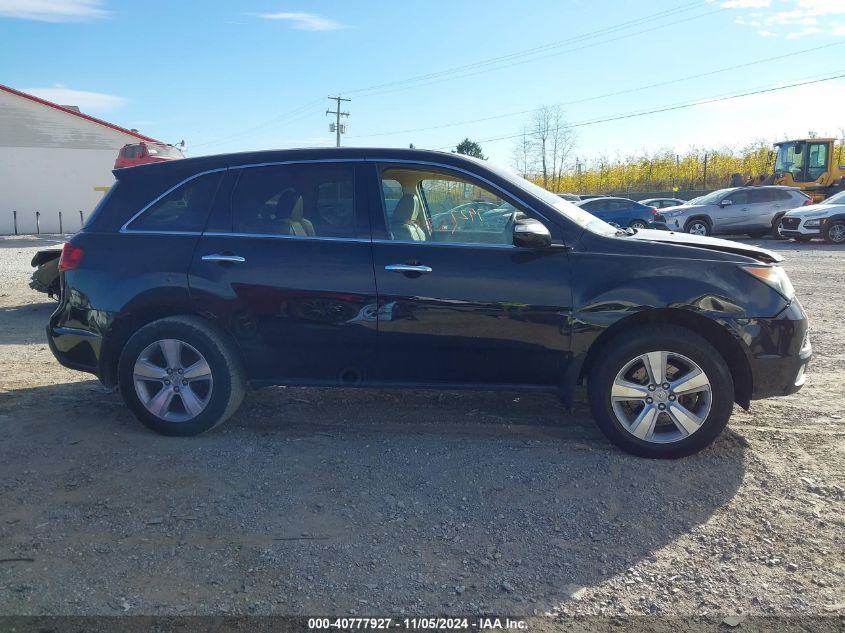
<point>529,233</point>
<point>726,203</point>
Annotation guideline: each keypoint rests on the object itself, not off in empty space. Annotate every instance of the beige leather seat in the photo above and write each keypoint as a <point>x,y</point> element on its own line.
<point>403,226</point>
<point>289,215</point>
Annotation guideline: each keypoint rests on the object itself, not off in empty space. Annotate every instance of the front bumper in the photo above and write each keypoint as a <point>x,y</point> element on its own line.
<point>779,351</point>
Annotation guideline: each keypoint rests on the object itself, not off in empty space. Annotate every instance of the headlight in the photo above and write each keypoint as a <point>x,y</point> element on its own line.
<point>773,276</point>
<point>814,223</point>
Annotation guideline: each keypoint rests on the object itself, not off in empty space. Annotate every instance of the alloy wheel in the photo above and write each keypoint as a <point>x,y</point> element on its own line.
<point>836,233</point>
<point>661,397</point>
<point>697,228</point>
<point>172,380</point>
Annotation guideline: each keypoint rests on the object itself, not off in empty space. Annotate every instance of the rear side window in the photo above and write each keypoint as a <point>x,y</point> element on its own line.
<point>183,209</point>
<point>296,200</point>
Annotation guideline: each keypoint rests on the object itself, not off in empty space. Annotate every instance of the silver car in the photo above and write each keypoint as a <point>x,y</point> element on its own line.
<point>755,211</point>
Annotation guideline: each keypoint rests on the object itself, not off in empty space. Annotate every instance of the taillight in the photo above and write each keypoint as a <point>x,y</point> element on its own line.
<point>653,211</point>
<point>70,257</point>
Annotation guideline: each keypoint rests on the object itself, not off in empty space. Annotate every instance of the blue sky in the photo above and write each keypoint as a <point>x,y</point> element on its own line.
<point>230,76</point>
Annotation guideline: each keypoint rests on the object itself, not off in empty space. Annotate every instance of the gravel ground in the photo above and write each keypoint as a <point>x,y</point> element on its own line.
<point>346,502</point>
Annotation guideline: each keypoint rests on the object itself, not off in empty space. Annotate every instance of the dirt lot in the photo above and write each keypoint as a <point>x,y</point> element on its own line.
<point>381,502</point>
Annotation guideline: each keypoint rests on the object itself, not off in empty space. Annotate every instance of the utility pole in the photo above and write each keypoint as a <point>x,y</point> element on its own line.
<point>337,127</point>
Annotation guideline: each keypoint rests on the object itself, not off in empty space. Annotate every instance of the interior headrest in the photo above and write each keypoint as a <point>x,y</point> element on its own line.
<point>406,209</point>
<point>289,206</point>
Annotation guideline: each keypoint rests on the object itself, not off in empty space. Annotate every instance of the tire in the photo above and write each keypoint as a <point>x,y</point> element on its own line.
<point>665,438</point>
<point>697,226</point>
<point>835,232</point>
<point>638,224</point>
<point>202,401</point>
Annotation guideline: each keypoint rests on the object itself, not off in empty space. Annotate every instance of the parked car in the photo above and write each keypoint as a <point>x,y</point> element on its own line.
<point>824,219</point>
<point>570,197</point>
<point>46,275</point>
<point>144,153</point>
<point>620,211</point>
<point>662,203</point>
<point>755,211</point>
<point>196,278</point>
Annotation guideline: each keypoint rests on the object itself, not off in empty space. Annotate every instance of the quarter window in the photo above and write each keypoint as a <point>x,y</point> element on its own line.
<point>302,200</point>
<point>183,209</point>
<point>425,206</point>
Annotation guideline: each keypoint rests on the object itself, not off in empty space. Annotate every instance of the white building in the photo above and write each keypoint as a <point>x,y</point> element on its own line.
<point>53,159</point>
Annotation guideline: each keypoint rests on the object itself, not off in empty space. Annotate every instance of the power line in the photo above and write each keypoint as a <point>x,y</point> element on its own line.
<point>490,62</point>
<point>664,109</point>
<point>535,50</point>
<point>606,95</point>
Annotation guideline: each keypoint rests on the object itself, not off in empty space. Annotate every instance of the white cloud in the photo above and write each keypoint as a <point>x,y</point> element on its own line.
<point>791,18</point>
<point>305,21</point>
<point>85,100</point>
<point>53,10</point>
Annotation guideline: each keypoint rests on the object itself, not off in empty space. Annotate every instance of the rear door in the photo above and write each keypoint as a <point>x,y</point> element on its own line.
<point>458,302</point>
<point>285,265</point>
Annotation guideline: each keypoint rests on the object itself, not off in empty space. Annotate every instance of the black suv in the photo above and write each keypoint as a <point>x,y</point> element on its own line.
<point>385,267</point>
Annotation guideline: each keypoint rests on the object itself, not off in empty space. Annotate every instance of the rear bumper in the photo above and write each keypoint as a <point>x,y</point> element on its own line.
<point>75,348</point>
<point>780,352</point>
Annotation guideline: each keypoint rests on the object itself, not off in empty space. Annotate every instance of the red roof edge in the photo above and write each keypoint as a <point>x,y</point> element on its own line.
<point>81,115</point>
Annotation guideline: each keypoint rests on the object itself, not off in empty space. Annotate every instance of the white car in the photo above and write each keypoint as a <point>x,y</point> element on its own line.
<point>825,219</point>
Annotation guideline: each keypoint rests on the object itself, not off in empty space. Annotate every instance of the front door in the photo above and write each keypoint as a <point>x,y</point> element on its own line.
<point>287,268</point>
<point>458,303</point>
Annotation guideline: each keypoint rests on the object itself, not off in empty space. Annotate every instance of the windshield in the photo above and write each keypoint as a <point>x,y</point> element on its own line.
<point>167,151</point>
<point>790,157</point>
<point>567,209</point>
<point>839,198</point>
<point>710,198</point>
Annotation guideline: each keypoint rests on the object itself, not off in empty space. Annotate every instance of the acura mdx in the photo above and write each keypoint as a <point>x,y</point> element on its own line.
<point>196,278</point>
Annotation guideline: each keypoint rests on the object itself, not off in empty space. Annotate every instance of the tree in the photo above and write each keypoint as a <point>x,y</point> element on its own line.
<point>470,148</point>
<point>545,147</point>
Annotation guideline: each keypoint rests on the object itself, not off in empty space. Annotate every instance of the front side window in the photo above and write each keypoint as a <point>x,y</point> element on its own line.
<point>739,197</point>
<point>296,200</point>
<point>423,206</point>
<point>184,209</point>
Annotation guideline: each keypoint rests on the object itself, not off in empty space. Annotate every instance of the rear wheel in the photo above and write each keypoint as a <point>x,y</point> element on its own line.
<point>638,224</point>
<point>697,226</point>
<point>180,376</point>
<point>661,392</point>
<point>835,232</point>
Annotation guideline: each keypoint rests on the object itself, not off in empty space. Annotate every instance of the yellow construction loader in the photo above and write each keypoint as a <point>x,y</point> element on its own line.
<point>810,164</point>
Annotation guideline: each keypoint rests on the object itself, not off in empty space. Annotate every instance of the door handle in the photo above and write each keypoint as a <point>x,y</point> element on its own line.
<point>220,257</point>
<point>407,268</point>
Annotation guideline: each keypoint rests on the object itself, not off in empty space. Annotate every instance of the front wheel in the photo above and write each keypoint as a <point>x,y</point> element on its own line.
<point>181,376</point>
<point>697,227</point>
<point>835,233</point>
<point>661,392</point>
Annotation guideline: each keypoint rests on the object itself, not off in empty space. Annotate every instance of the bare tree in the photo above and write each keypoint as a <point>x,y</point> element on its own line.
<point>545,146</point>
<point>523,153</point>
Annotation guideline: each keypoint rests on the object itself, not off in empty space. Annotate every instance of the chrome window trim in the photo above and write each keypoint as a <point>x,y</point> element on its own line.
<point>274,236</point>
<point>304,161</point>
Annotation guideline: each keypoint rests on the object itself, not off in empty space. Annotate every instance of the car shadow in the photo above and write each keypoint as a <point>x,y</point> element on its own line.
<point>23,324</point>
<point>323,500</point>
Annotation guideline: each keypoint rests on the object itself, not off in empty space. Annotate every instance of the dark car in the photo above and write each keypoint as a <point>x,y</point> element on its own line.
<point>196,278</point>
<point>620,211</point>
